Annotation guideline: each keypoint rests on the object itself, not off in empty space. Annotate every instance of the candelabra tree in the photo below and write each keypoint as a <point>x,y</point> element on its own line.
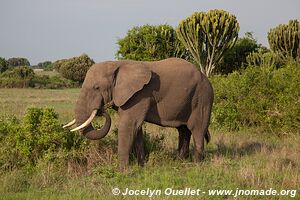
<point>285,40</point>
<point>207,36</point>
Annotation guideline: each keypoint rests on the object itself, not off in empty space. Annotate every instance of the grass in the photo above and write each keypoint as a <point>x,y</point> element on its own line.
<point>16,101</point>
<point>248,159</point>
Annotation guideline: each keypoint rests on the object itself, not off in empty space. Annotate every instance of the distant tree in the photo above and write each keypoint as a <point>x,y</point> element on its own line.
<point>43,65</point>
<point>14,62</point>
<point>207,36</point>
<point>74,68</point>
<point>235,58</point>
<point>285,40</point>
<point>3,65</point>
<point>150,43</point>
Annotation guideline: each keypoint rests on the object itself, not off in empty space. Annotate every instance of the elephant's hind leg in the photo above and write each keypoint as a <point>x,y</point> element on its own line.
<point>198,124</point>
<point>183,142</point>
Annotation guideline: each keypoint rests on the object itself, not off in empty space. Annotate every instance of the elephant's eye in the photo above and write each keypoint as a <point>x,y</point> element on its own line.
<point>96,87</point>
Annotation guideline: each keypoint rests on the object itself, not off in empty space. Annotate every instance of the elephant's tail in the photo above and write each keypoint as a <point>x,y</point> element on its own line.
<point>207,136</point>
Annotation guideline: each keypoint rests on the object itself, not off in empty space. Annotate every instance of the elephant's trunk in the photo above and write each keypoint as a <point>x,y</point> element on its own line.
<point>82,115</point>
<point>93,134</point>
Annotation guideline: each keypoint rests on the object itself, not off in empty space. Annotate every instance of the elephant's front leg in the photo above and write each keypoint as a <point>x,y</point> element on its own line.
<point>126,135</point>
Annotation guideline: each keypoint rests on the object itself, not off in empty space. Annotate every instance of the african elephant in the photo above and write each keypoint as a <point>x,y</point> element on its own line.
<point>169,93</point>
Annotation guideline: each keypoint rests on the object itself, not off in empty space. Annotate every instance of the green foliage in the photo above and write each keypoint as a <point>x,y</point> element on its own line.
<point>15,62</point>
<point>207,36</point>
<point>235,58</point>
<point>57,64</point>
<point>74,68</point>
<point>285,40</point>
<point>39,135</point>
<point>43,65</point>
<point>150,43</point>
<point>53,82</point>
<point>264,59</point>
<point>258,97</point>
<point>3,65</point>
<point>17,77</point>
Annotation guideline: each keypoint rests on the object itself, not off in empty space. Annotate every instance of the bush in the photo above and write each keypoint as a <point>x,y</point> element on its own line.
<point>74,68</point>
<point>19,77</point>
<point>39,135</point>
<point>53,82</point>
<point>3,65</point>
<point>258,97</point>
<point>264,59</point>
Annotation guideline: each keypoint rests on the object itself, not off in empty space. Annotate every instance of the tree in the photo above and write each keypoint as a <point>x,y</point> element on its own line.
<point>150,43</point>
<point>75,68</point>
<point>15,62</point>
<point>3,65</point>
<point>207,36</point>
<point>235,58</point>
<point>43,65</point>
<point>285,40</point>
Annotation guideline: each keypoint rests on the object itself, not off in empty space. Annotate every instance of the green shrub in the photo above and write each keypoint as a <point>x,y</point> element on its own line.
<point>74,68</point>
<point>3,65</point>
<point>39,135</point>
<point>17,77</point>
<point>264,59</point>
<point>53,82</point>
<point>258,97</point>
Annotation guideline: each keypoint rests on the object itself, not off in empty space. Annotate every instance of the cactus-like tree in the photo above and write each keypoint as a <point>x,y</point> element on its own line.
<point>285,39</point>
<point>207,36</point>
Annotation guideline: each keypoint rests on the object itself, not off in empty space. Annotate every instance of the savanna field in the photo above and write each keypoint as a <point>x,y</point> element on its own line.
<point>58,164</point>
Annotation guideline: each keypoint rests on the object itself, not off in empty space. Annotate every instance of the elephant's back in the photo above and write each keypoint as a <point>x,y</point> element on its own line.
<point>176,69</point>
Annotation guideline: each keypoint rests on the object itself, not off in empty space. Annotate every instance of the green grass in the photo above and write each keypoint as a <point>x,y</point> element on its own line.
<point>16,101</point>
<point>248,159</point>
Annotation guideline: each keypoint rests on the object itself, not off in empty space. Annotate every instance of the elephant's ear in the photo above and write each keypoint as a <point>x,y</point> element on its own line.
<point>129,79</point>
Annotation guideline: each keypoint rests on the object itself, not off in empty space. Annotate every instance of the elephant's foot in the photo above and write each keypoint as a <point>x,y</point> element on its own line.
<point>198,157</point>
<point>183,153</point>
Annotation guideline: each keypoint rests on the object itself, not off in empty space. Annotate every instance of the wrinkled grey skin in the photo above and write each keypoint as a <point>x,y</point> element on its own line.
<point>169,93</point>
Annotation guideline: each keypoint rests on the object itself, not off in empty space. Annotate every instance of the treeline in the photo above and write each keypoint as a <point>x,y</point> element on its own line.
<point>71,73</point>
<point>207,39</point>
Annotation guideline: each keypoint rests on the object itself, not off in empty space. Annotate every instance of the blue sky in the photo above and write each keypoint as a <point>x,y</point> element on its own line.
<point>43,30</point>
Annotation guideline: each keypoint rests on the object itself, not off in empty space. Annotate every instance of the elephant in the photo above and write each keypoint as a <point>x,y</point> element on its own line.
<point>169,93</point>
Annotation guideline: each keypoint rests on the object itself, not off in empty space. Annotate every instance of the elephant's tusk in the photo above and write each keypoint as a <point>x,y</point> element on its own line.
<point>87,122</point>
<point>70,123</point>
